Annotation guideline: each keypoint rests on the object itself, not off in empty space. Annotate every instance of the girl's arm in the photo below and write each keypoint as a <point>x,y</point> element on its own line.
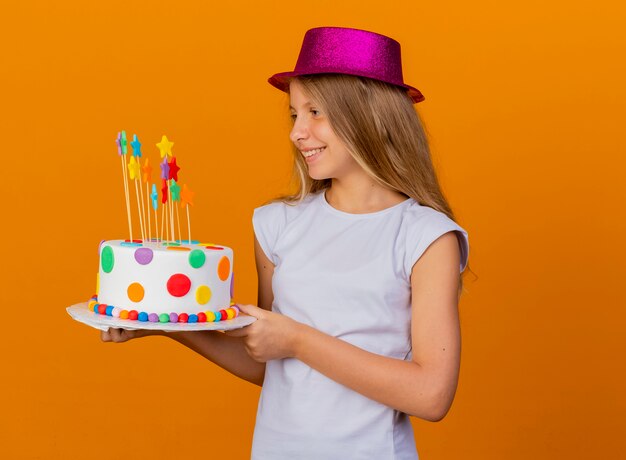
<point>227,352</point>
<point>423,387</point>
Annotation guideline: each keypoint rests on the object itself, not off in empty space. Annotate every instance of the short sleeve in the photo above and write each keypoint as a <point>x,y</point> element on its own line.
<point>268,222</point>
<point>425,229</point>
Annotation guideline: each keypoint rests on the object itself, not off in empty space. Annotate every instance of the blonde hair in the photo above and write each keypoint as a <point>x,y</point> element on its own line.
<point>383,132</point>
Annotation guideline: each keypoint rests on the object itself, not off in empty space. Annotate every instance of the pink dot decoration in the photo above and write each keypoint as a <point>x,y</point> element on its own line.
<point>144,256</point>
<point>178,285</point>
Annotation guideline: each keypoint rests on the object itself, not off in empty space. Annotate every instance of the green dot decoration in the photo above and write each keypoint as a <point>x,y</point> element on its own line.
<point>107,259</point>
<point>197,258</point>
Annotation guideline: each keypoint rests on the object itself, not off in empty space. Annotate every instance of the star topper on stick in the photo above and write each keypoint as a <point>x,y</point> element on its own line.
<point>147,171</point>
<point>136,145</point>
<point>173,169</point>
<point>165,147</point>
<point>186,196</point>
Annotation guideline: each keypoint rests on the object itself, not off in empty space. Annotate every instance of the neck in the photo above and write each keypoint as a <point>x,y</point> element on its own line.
<point>361,195</point>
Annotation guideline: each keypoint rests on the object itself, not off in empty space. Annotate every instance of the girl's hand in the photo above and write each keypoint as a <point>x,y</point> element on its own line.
<point>271,336</point>
<point>124,335</point>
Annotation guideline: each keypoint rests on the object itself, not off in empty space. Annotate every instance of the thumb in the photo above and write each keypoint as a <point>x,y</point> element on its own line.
<point>252,310</point>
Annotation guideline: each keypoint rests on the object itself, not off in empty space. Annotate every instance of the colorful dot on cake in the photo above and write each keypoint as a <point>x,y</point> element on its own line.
<point>153,318</point>
<point>230,313</point>
<point>232,285</point>
<point>202,317</point>
<point>177,248</point>
<point>164,318</point>
<point>183,317</point>
<point>218,316</point>
<point>203,295</point>
<point>107,260</point>
<point>178,285</point>
<point>144,256</point>
<point>135,292</point>
<point>108,310</point>
<point>124,314</point>
<point>102,308</point>
<point>223,268</point>
<point>210,316</point>
<point>131,244</point>
<point>116,312</point>
<point>197,258</point>
<point>91,304</point>
<point>133,315</point>
<point>214,248</point>
<point>143,316</point>
<point>193,318</point>
<point>235,309</point>
<point>97,283</point>
<point>173,317</point>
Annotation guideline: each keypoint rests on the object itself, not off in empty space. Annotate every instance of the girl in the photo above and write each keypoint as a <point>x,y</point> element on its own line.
<point>359,272</point>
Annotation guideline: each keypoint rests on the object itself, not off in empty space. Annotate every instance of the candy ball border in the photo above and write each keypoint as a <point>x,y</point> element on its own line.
<point>134,315</point>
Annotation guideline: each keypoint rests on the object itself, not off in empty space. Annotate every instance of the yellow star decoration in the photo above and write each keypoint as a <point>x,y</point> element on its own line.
<point>133,169</point>
<point>165,147</point>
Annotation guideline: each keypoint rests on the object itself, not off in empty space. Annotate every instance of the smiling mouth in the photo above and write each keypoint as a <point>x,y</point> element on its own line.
<point>310,153</point>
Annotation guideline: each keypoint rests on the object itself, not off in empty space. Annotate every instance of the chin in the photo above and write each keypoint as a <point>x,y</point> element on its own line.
<point>317,175</point>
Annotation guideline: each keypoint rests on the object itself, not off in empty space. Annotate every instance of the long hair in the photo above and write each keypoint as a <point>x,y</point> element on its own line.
<point>382,131</point>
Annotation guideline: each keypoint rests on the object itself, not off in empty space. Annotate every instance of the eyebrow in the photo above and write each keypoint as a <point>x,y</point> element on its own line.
<point>306,104</point>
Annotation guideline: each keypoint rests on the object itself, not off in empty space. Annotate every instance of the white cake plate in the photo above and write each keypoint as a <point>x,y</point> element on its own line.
<point>80,312</point>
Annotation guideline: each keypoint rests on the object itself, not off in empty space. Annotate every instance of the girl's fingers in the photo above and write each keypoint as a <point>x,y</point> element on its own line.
<point>252,310</point>
<point>243,332</point>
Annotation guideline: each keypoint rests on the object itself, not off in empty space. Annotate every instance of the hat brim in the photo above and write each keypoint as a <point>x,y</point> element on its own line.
<point>281,81</point>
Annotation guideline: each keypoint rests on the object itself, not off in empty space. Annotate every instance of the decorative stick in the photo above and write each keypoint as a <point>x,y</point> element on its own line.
<point>178,221</point>
<point>142,210</point>
<point>122,149</point>
<point>165,172</point>
<point>188,226</point>
<point>136,145</point>
<point>154,196</point>
<point>187,199</point>
<point>147,177</point>
<point>133,171</point>
<point>173,177</point>
<point>148,213</point>
<point>175,190</point>
<point>171,210</point>
<point>162,222</point>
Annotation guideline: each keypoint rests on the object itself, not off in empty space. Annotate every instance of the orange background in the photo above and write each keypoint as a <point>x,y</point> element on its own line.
<point>523,105</point>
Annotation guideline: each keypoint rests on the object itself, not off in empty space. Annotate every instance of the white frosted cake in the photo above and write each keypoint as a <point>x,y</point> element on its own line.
<point>164,281</point>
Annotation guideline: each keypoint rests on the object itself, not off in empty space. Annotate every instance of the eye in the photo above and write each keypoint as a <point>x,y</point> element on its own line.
<point>315,112</point>
<point>293,116</point>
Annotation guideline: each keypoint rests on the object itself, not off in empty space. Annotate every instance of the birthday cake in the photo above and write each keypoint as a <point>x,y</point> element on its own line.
<point>163,278</point>
<point>164,281</point>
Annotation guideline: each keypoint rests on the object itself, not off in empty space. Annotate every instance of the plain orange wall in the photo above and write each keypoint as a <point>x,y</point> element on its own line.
<point>524,103</point>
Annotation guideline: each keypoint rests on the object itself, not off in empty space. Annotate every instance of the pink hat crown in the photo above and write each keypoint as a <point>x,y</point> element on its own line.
<point>342,50</point>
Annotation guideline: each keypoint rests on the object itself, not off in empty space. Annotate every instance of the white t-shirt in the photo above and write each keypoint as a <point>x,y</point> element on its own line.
<point>347,275</point>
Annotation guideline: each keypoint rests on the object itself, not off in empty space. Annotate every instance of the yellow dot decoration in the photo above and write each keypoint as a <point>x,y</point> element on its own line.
<point>98,283</point>
<point>91,304</point>
<point>223,268</point>
<point>210,316</point>
<point>203,294</point>
<point>135,292</point>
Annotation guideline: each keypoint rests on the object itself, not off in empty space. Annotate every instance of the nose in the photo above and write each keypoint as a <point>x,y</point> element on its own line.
<point>299,131</point>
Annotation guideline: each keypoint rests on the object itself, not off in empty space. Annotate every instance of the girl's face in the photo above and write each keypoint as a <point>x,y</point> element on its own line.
<point>326,155</point>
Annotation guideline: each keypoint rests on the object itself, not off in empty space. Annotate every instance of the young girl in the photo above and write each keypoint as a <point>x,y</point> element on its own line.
<point>359,272</point>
